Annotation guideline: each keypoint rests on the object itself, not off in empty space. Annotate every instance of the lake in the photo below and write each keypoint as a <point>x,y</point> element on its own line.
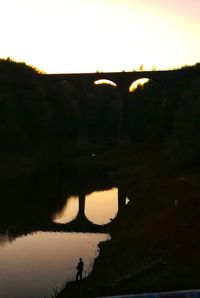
<point>47,222</point>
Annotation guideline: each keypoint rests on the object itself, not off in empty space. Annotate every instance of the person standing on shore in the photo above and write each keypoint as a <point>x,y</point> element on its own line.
<point>79,269</point>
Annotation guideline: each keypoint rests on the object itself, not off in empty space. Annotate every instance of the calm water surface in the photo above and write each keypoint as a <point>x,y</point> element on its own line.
<point>34,263</point>
<point>99,208</point>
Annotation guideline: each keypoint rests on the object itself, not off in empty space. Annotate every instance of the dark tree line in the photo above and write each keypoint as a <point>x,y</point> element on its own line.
<point>33,110</point>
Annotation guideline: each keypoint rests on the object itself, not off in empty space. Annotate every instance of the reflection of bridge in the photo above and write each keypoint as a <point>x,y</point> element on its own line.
<point>79,224</point>
<point>82,222</point>
<point>123,79</point>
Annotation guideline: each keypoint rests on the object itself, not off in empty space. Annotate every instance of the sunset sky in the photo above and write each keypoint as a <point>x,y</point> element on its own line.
<point>100,35</point>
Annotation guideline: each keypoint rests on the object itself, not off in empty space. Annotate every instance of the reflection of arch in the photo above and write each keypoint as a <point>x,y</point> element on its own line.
<point>69,211</point>
<point>101,206</point>
<point>121,202</point>
<point>83,219</point>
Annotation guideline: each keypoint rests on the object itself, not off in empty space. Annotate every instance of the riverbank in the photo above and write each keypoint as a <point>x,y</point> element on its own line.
<point>155,241</point>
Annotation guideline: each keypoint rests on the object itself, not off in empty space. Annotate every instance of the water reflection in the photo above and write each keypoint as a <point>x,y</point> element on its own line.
<point>99,207</point>
<point>32,261</point>
<point>102,206</point>
<point>4,238</point>
<point>29,259</point>
<point>69,211</point>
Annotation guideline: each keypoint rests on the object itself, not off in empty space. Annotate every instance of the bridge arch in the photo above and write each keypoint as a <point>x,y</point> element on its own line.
<point>146,111</point>
<point>138,83</point>
<point>102,108</point>
<point>105,82</point>
<point>122,79</point>
<point>121,124</point>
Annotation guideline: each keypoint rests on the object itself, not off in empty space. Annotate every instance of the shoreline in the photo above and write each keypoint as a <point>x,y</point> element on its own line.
<point>147,252</point>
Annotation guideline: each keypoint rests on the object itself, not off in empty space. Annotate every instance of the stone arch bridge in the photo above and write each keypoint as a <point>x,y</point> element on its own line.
<point>123,79</point>
<point>84,81</point>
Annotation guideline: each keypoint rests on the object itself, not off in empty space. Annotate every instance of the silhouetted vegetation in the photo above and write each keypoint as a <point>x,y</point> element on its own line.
<point>35,111</point>
<point>184,141</point>
<point>42,121</point>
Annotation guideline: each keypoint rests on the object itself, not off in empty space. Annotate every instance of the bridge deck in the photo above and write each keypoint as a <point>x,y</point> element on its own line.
<point>122,79</point>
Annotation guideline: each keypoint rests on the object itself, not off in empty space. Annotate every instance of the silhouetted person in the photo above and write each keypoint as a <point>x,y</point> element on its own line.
<point>80,269</point>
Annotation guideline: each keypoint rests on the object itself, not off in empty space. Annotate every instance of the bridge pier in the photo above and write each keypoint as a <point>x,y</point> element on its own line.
<point>164,96</point>
<point>83,136</point>
<point>121,200</point>
<point>81,208</point>
<point>123,137</point>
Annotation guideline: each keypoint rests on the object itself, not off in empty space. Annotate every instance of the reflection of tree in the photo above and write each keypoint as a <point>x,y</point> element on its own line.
<point>5,237</point>
<point>29,204</point>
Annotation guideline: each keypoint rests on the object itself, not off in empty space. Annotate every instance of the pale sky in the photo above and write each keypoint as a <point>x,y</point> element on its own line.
<point>63,36</point>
